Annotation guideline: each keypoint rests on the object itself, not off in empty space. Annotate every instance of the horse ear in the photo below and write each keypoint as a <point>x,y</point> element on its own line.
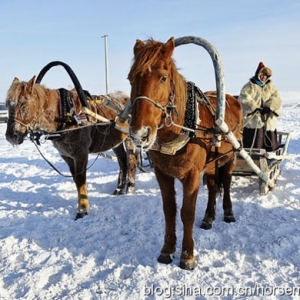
<point>137,45</point>
<point>16,79</point>
<point>30,84</point>
<point>169,47</point>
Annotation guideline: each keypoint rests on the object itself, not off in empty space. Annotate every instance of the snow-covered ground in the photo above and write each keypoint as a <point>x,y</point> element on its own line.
<point>112,252</point>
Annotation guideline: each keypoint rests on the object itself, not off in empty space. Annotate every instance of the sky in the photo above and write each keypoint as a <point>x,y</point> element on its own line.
<point>34,33</point>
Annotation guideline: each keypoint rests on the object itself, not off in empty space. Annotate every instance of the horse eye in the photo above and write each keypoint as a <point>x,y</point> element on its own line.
<point>164,78</point>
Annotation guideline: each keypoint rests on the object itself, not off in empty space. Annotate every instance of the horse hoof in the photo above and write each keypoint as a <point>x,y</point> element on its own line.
<point>229,219</point>
<point>165,259</point>
<point>187,264</point>
<point>118,192</point>
<point>130,190</point>
<point>80,215</point>
<point>206,225</point>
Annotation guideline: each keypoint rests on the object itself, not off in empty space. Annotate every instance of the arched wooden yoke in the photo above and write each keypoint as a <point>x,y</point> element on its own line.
<point>72,75</point>
<point>80,92</point>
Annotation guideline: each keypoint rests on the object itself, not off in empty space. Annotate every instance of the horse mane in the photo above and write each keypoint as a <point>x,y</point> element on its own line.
<point>18,88</point>
<point>147,56</point>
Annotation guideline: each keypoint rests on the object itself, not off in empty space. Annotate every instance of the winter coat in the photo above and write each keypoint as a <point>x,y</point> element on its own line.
<point>253,97</point>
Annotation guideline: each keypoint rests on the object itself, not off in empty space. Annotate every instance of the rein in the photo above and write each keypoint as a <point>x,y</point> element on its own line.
<point>28,126</point>
<point>36,143</point>
<point>34,136</point>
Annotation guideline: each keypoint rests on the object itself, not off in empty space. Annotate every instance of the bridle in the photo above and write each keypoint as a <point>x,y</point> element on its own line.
<point>31,132</point>
<point>163,108</point>
<point>30,127</point>
<point>166,109</point>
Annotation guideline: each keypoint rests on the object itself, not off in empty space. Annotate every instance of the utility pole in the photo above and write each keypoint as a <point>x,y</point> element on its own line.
<point>106,61</point>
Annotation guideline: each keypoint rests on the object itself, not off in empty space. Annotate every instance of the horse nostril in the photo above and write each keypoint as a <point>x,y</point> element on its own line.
<point>14,138</point>
<point>140,136</point>
<point>146,133</point>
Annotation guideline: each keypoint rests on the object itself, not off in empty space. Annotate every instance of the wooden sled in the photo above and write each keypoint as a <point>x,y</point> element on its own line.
<point>268,162</point>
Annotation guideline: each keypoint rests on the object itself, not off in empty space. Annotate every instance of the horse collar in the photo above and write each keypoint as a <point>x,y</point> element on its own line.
<point>191,112</point>
<point>66,106</point>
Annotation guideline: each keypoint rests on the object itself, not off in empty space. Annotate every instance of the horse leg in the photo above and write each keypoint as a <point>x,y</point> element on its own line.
<point>132,158</point>
<point>191,185</point>
<point>210,212</point>
<point>122,161</point>
<point>166,184</point>
<point>226,177</point>
<point>78,171</point>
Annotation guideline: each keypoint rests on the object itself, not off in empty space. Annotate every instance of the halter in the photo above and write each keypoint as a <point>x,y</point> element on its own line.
<point>163,108</point>
<point>28,126</point>
<point>170,106</point>
<point>31,125</point>
<point>34,135</point>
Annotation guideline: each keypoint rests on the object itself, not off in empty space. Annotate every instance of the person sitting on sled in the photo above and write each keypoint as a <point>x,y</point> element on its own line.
<point>261,105</point>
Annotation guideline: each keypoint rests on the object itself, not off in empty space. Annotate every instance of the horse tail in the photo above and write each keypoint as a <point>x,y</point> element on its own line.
<point>219,179</point>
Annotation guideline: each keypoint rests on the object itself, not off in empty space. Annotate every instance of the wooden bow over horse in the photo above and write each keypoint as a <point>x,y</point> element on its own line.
<point>153,78</point>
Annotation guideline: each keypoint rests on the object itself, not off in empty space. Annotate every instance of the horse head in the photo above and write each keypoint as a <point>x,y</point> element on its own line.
<point>153,91</point>
<point>23,108</point>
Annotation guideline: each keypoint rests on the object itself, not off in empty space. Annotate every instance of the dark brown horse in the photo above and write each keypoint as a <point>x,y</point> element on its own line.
<point>35,108</point>
<point>179,133</point>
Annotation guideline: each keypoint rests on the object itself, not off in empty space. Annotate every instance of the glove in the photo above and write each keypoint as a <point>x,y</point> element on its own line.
<point>265,110</point>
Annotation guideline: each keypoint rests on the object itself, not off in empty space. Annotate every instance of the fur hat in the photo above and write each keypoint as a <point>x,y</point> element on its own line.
<point>262,69</point>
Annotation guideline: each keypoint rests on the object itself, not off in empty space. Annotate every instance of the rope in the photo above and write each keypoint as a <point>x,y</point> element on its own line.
<point>53,167</point>
<point>267,140</point>
<point>36,143</point>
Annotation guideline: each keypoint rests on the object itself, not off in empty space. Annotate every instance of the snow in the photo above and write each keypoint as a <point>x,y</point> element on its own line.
<point>112,252</point>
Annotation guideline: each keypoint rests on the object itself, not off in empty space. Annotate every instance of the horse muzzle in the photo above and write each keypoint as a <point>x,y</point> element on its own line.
<point>142,138</point>
<point>15,137</point>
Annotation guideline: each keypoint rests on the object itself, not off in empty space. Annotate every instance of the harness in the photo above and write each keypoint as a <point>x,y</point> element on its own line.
<point>69,115</point>
<point>191,112</point>
<point>67,110</point>
<point>191,120</point>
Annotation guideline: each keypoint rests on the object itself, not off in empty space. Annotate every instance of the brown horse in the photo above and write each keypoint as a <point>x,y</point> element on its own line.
<point>35,108</point>
<point>179,133</point>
